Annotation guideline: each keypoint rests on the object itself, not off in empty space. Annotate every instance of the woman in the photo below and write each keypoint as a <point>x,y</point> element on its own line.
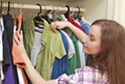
<point>105,46</point>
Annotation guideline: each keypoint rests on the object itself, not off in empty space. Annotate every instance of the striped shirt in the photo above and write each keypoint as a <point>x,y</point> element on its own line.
<point>84,75</point>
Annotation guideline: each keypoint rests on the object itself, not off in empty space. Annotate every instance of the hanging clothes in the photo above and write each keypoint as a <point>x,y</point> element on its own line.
<point>9,75</point>
<point>17,58</point>
<point>60,66</point>
<point>67,30</point>
<point>74,23</point>
<point>71,50</point>
<point>48,51</point>
<point>82,54</point>
<point>8,24</point>
<point>86,28</point>
<point>20,76</point>
<point>74,62</point>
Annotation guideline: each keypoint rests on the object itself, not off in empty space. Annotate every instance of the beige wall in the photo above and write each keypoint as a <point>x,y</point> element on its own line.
<point>94,9</point>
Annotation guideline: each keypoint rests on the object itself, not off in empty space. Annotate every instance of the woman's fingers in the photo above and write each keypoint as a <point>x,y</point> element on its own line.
<point>53,26</point>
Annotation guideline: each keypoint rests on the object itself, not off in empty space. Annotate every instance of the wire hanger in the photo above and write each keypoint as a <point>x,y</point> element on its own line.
<point>66,14</point>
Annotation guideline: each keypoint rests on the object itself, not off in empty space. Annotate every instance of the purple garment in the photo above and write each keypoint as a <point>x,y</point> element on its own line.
<point>84,75</point>
<point>8,76</point>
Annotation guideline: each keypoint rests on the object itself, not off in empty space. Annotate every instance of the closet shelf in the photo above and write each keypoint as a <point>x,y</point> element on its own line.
<point>30,6</point>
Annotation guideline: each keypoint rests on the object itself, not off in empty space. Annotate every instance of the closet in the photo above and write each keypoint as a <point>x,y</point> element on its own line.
<point>41,42</point>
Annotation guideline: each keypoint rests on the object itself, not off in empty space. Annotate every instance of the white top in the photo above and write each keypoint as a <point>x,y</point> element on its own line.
<point>63,16</point>
<point>1,43</point>
<point>71,51</point>
<point>82,54</point>
<point>36,47</point>
<point>85,21</point>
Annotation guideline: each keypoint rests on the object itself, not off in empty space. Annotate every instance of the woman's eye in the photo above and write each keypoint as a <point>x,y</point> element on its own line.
<point>91,39</point>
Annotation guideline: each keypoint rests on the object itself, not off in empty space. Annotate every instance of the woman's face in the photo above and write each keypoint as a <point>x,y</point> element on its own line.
<point>92,43</point>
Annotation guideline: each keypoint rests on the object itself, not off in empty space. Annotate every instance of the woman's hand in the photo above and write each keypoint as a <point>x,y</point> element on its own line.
<point>20,44</point>
<point>58,25</point>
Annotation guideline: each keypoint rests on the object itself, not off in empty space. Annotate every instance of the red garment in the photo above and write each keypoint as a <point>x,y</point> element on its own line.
<point>17,58</point>
<point>74,23</point>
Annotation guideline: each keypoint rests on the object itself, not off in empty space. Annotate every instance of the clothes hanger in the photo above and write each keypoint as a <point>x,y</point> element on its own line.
<point>8,7</point>
<point>45,16</point>
<point>38,19</point>
<point>50,14</point>
<point>56,12</point>
<point>66,14</point>
<point>72,12</point>
<point>78,12</point>
<point>38,16</point>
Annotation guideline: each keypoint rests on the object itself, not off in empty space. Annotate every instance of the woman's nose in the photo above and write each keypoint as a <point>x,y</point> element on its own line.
<point>84,41</point>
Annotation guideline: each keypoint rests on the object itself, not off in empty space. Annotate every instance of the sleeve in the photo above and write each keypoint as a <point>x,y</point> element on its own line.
<point>71,79</point>
<point>64,79</point>
<point>59,47</point>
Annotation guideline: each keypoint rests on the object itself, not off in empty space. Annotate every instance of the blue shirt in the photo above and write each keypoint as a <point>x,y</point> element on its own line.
<point>60,66</point>
<point>84,25</point>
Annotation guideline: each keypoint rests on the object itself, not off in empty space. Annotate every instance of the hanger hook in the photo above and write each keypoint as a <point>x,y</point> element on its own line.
<point>40,9</point>
<point>52,9</point>
<point>8,6</point>
<point>57,9</point>
<point>72,11</point>
<point>68,9</point>
<point>78,11</point>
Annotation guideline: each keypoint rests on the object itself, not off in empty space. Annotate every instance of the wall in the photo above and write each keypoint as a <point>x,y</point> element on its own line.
<point>94,9</point>
<point>119,12</point>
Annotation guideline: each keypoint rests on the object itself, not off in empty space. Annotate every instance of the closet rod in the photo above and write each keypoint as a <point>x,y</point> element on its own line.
<point>29,6</point>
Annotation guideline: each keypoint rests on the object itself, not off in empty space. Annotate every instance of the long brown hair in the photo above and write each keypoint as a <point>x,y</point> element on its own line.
<point>111,59</point>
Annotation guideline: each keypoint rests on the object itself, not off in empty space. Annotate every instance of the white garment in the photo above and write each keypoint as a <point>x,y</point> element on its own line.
<point>19,72</point>
<point>82,54</point>
<point>20,76</point>
<point>36,47</point>
<point>1,43</point>
<point>77,22</point>
<point>71,51</point>
<point>63,16</point>
<point>85,21</point>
